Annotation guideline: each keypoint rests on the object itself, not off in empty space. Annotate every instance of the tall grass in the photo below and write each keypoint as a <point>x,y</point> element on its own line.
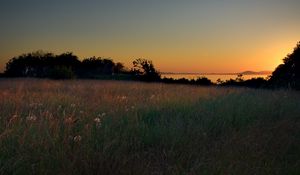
<point>115,127</point>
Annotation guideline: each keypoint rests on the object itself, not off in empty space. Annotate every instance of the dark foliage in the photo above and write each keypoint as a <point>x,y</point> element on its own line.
<point>42,65</point>
<point>61,72</point>
<point>239,81</point>
<point>144,70</point>
<point>91,67</point>
<point>256,83</point>
<point>199,81</point>
<point>287,75</point>
<point>65,66</point>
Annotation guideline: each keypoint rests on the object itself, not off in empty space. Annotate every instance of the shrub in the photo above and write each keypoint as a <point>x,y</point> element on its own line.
<point>61,72</point>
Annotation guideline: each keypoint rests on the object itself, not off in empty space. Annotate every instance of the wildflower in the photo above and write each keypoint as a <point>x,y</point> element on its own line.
<point>31,118</point>
<point>132,107</point>
<point>102,114</point>
<point>13,118</point>
<point>77,138</point>
<point>122,98</point>
<point>81,112</point>
<point>73,105</point>
<point>97,120</point>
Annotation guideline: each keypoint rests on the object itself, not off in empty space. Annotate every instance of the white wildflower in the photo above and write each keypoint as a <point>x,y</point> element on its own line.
<point>102,114</point>
<point>31,118</point>
<point>77,138</point>
<point>13,118</point>
<point>97,121</point>
<point>122,98</point>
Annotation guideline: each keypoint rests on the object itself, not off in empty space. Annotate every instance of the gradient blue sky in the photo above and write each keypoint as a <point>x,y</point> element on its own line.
<point>179,36</point>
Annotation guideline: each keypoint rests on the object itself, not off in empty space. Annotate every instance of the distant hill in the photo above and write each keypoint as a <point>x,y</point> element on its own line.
<point>256,73</point>
<point>244,73</point>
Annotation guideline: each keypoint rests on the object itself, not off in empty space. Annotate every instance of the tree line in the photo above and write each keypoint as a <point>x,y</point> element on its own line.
<point>64,66</point>
<point>41,64</point>
<point>68,66</point>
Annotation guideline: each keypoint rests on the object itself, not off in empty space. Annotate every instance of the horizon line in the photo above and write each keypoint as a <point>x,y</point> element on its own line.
<point>224,73</point>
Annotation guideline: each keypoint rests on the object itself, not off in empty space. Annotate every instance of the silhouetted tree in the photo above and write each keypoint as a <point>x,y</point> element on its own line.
<point>40,64</point>
<point>28,65</point>
<point>239,81</point>
<point>203,81</point>
<point>239,78</point>
<point>287,75</point>
<point>95,66</point>
<point>144,69</point>
<point>119,68</point>
<point>67,59</point>
<point>199,81</point>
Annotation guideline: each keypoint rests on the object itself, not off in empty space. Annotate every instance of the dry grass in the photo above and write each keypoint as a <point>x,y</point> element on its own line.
<point>115,127</point>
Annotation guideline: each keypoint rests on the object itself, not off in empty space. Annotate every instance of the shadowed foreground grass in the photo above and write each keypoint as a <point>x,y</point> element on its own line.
<point>115,127</point>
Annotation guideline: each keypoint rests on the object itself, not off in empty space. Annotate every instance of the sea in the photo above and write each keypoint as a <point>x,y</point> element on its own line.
<point>212,77</point>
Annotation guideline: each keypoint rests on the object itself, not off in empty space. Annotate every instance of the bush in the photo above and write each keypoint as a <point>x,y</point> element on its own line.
<point>61,72</point>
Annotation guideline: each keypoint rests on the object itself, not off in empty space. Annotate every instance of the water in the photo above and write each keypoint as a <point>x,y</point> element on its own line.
<point>213,77</point>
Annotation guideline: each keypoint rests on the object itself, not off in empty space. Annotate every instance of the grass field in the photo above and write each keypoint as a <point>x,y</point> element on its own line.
<point>116,127</point>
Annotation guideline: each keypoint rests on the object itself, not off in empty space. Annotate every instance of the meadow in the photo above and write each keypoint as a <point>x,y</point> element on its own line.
<point>123,127</point>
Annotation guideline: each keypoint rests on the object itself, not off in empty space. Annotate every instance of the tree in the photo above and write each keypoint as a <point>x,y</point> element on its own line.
<point>287,75</point>
<point>28,65</point>
<point>95,66</point>
<point>43,65</point>
<point>144,69</point>
<point>119,68</point>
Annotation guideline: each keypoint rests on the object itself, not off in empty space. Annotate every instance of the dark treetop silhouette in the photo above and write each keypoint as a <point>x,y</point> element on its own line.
<point>145,69</point>
<point>287,75</point>
<point>65,66</point>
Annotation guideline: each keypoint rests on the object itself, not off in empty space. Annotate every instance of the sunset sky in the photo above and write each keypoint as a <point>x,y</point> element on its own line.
<point>177,35</point>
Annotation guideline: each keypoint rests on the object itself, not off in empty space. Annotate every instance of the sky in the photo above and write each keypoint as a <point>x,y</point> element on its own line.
<point>178,36</point>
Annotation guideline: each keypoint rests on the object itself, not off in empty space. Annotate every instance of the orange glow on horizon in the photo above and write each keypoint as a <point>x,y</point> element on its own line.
<point>190,61</point>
